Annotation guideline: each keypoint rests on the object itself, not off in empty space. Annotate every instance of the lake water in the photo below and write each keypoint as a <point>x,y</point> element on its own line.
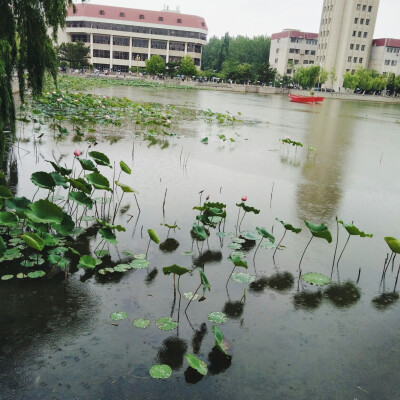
<point>57,340</point>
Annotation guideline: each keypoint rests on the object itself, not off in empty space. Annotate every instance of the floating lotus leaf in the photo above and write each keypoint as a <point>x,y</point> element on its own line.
<point>98,181</point>
<point>239,254</point>
<point>81,198</point>
<point>225,234</point>
<point>34,241</point>
<point>19,204</point>
<point>100,158</point>
<point>141,323</point>
<point>315,278</point>
<point>289,227</point>
<point>204,281</point>
<point>3,247</point>
<point>393,244</point>
<point>166,324</point>
<point>101,253</point>
<point>140,256</point>
<point>354,231</point>
<point>122,268</point>
<point>49,240</point>
<point>199,232</point>
<point>125,188</point>
<point>265,234</point>
<point>191,296</point>
<point>7,277</point>
<point>175,269</point>
<point>21,276</point>
<point>235,246</point>
<point>44,211</point>
<point>237,261</point>
<point>28,264</point>
<point>87,165</point>
<point>81,184</point>
<point>242,278</point>
<point>108,235</point>
<point>139,264</point>
<point>188,253</point>
<point>269,245</point>
<point>5,192</point>
<point>8,219</point>
<point>62,171</point>
<point>238,240</point>
<point>118,315</point>
<point>217,317</point>
<point>248,208</point>
<point>59,180</point>
<point>251,235</point>
<point>119,228</point>
<point>320,231</point>
<point>88,218</point>
<point>219,338</point>
<point>204,140</point>
<point>36,274</point>
<point>57,259</point>
<point>160,371</point>
<point>153,236</point>
<point>43,180</point>
<point>197,364</point>
<point>125,168</point>
<point>87,261</point>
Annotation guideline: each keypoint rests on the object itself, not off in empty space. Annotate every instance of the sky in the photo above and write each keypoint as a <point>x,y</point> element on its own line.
<point>262,17</point>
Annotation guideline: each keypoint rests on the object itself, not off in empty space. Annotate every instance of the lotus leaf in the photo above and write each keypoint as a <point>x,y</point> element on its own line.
<point>238,240</point>
<point>19,204</point>
<point>289,227</point>
<point>88,218</point>
<point>34,241</point>
<point>62,171</point>
<point>100,158</point>
<point>59,180</point>
<point>225,234</point>
<point>354,231</point>
<point>66,227</point>
<point>7,277</point>
<point>43,180</point>
<point>153,236</point>
<point>219,338</point>
<point>265,234</point>
<point>122,268</point>
<point>98,181</point>
<point>21,276</point>
<point>166,324</point>
<point>160,371</point>
<point>188,253</point>
<point>204,140</point>
<point>108,235</point>
<point>44,211</point>
<point>251,235</point>
<point>36,274</point>
<point>3,247</point>
<point>242,278</point>
<point>175,269</point>
<point>8,219</point>
<point>320,231</point>
<point>235,246</point>
<point>199,232</point>
<point>237,261</point>
<point>87,261</point>
<point>87,165</point>
<point>217,317</point>
<point>119,228</point>
<point>139,264</point>
<point>248,208</point>
<point>125,168</point>
<point>125,188</point>
<point>269,245</point>
<point>204,281</point>
<point>101,253</point>
<point>393,244</point>
<point>118,315</point>
<point>141,323</point>
<point>81,198</point>
<point>81,184</point>
<point>191,296</point>
<point>315,278</point>
<point>5,192</point>
<point>197,364</point>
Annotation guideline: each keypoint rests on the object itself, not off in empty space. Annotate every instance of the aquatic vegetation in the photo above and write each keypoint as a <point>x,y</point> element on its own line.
<point>288,227</point>
<point>160,371</point>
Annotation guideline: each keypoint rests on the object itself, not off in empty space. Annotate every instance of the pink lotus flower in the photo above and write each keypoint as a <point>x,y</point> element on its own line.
<point>244,198</point>
<point>59,100</point>
<point>77,153</point>
<point>107,116</point>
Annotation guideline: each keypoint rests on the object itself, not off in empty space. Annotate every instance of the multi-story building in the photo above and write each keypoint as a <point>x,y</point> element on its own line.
<point>345,37</point>
<point>291,48</point>
<point>385,56</point>
<point>120,38</point>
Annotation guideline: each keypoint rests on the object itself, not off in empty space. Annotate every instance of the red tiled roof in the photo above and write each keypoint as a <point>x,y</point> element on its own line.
<point>133,15</point>
<point>386,42</point>
<point>294,33</point>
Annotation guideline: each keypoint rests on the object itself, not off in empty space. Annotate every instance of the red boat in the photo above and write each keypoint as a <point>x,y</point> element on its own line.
<point>305,99</point>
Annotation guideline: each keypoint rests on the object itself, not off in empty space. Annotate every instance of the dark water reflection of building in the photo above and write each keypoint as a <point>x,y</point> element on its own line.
<point>329,130</point>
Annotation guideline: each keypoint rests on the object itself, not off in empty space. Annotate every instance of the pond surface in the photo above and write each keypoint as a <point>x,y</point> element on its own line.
<point>57,340</point>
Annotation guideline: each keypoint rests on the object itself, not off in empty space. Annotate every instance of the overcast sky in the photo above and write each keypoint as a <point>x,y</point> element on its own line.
<point>262,17</point>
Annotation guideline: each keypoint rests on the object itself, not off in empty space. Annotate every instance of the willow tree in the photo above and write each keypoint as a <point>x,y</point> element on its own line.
<point>27,28</point>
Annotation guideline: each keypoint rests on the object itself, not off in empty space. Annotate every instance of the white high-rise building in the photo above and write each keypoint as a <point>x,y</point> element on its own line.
<point>345,37</point>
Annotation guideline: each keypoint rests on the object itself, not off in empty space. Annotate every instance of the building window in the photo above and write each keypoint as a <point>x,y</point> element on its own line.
<point>296,61</point>
<point>356,20</point>
<point>358,6</point>
<point>101,12</point>
<point>363,47</point>
<point>121,41</point>
<point>179,21</point>
<point>359,34</point>
<point>364,7</point>
<point>140,43</point>
<point>357,47</point>
<point>390,49</point>
<point>354,33</point>
<point>277,50</point>
<point>81,38</point>
<point>101,53</point>
<point>362,21</point>
<point>387,62</point>
<point>352,46</point>
<point>394,63</point>
<point>161,18</point>
<point>365,34</point>
<point>349,58</point>
<point>355,59</point>
<point>177,46</point>
<point>141,16</point>
<point>313,52</point>
<point>122,14</point>
<point>159,44</point>
<point>291,50</point>
<point>305,62</point>
<point>101,39</point>
<point>121,55</point>
<point>360,60</point>
<point>369,8</point>
<point>311,62</point>
<point>139,56</point>
<point>276,61</point>
<point>307,52</point>
<point>367,22</point>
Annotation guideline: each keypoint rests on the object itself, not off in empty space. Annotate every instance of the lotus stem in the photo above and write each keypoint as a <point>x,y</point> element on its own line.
<point>229,277</point>
<point>347,241</point>
<point>35,194</point>
<point>359,274</point>
<point>337,242</point>
<point>255,252</point>
<point>242,220</point>
<point>237,222</point>
<point>148,251</point>
<point>117,206</point>
<point>276,248</point>
<point>304,252</point>
<point>397,278</point>
<point>137,202</point>
<point>193,297</point>
<point>180,297</point>
<point>163,206</point>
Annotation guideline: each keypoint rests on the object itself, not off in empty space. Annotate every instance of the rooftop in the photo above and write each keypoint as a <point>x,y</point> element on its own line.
<point>294,33</point>
<point>388,42</point>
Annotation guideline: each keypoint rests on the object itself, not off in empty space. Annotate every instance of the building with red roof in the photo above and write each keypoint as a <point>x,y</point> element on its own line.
<point>121,38</point>
<point>385,56</point>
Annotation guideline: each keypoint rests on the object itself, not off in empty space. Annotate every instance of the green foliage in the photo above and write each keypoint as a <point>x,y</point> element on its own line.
<point>43,180</point>
<point>75,54</point>
<point>44,211</point>
<point>160,371</point>
<point>197,364</point>
<point>5,192</point>
<point>366,80</point>
<point>141,323</point>
<point>219,339</point>
<point>87,261</point>
<point>289,227</point>
<point>81,198</point>
<point>155,65</point>
<point>34,241</point>
<point>310,76</point>
<point>204,281</point>
<point>100,158</point>
<point>320,231</point>
<point>98,181</point>
<point>217,317</point>
<point>8,219</point>
<point>176,270</point>
<point>248,208</point>
<point>354,231</point>
<point>265,234</point>
<point>393,244</point>
<point>238,261</point>
<point>187,67</point>
<point>199,232</point>
<point>118,315</point>
<point>315,278</point>
<point>125,188</point>
<point>166,324</point>
<point>125,168</point>
<point>241,277</point>
<point>153,236</point>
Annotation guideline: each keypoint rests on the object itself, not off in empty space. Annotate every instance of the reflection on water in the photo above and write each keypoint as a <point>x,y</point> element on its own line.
<point>343,295</point>
<point>169,245</point>
<point>172,352</point>
<point>385,301</point>
<point>233,309</point>
<point>308,301</point>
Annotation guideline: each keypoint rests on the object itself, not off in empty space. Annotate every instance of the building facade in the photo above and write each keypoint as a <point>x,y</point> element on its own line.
<point>385,56</point>
<point>292,48</point>
<point>121,38</point>
<point>345,37</point>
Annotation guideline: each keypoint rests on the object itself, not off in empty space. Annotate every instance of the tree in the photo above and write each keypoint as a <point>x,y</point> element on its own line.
<point>223,53</point>
<point>171,68</point>
<point>310,76</point>
<point>76,54</point>
<point>265,73</point>
<point>155,65</point>
<point>187,67</point>
<point>25,44</point>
